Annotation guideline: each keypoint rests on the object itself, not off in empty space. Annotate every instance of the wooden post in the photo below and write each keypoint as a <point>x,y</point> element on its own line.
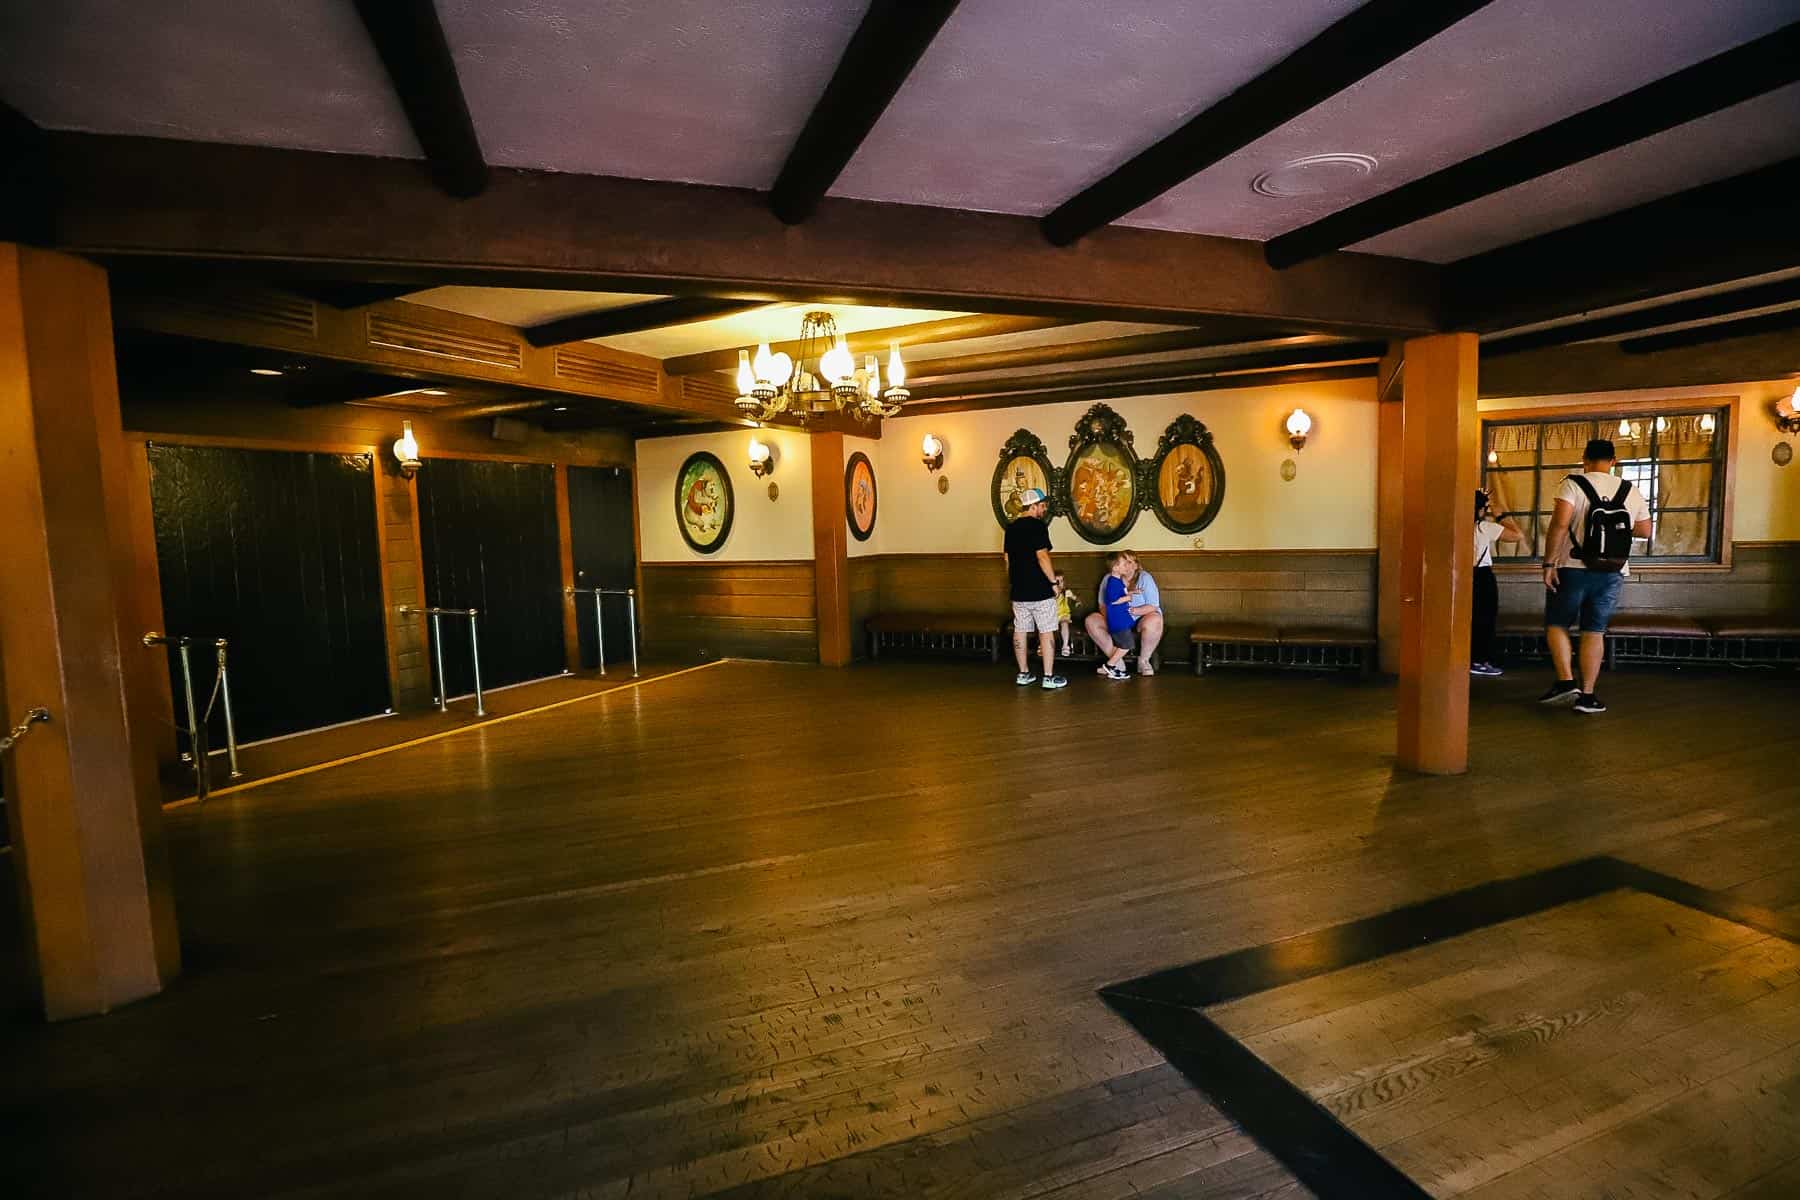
<point>831,545</point>
<point>86,816</point>
<point>565,549</point>
<point>1390,382</point>
<point>1437,553</point>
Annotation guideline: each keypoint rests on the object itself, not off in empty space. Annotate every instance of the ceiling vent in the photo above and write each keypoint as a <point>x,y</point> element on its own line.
<point>1314,175</point>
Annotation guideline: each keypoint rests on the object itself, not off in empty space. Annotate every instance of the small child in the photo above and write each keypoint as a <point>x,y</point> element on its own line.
<point>1120,626</point>
<point>1065,605</point>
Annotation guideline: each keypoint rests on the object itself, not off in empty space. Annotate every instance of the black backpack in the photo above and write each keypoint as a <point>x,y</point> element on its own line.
<point>1605,541</point>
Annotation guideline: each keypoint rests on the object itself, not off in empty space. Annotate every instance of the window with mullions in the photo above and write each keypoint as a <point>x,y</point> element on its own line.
<point>1675,460</point>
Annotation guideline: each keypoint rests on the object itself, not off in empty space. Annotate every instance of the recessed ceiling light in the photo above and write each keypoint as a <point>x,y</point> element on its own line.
<point>264,371</point>
<point>1313,175</point>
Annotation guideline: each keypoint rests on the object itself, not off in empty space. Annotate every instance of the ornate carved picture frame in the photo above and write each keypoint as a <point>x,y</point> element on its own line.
<point>1102,482</point>
<point>1024,463</point>
<point>1184,484</point>
<point>704,505</point>
<point>860,496</point>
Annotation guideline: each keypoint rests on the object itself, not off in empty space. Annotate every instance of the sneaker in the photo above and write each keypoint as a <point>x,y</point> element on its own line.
<point>1117,673</point>
<point>1024,679</point>
<point>1563,691</point>
<point>1590,703</point>
<point>1052,682</point>
<point>1484,669</point>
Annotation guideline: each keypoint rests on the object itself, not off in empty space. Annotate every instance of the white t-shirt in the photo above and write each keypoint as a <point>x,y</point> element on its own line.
<point>1605,486</point>
<point>1486,534</point>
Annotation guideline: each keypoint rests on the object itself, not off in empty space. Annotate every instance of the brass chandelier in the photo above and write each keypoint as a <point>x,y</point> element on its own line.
<point>824,379</point>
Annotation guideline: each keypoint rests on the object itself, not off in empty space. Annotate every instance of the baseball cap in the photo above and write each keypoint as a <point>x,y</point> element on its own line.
<point>1031,496</point>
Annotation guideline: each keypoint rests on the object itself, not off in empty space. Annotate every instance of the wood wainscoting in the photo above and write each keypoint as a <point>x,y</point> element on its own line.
<point>1335,587</point>
<point>865,599</point>
<point>1762,580</point>
<point>704,610</point>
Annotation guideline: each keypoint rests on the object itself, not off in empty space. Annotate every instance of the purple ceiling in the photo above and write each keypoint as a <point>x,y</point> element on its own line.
<point>1016,106</point>
<point>300,73</point>
<point>1512,67</point>
<point>1019,104</point>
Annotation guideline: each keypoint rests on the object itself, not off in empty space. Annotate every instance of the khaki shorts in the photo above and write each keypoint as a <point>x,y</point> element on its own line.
<point>1034,616</point>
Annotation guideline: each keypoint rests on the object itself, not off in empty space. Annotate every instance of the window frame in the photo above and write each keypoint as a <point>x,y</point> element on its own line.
<point>1723,462</point>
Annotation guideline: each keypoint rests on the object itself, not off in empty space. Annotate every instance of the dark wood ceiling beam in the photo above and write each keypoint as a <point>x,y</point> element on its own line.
<point>142,200</point>
<point>1733,229</point>
<point>1706,335</point>
<point>874,341</point>
<point>1352,49</point>
<point>1208,336</point>
<point>893,36</point>
<point>343,294</point>
<point>635,318</point>
<point>25,201</point>
<point>1700,308</point>
<point>1181,368</point>
<point>410,40</point>
<point>1159,387</point>
<point>1730,78</point>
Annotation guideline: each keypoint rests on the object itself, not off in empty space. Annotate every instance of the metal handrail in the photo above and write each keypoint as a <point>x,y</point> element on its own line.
<point>437,639</point>
<point>630,595</point>
<point>197,721</point>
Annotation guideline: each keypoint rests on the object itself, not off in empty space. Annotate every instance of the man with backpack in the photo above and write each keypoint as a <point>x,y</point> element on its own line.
<point>1586,559</point>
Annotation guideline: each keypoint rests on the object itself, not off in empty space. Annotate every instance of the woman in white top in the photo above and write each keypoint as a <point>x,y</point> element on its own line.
<point>1491,526</point>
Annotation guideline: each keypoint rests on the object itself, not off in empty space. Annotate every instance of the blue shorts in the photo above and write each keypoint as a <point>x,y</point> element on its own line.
<point>1583,599</point>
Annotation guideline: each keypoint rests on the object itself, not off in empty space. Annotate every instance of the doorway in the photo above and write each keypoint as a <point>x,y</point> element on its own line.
<point>604,548</point>
<point>487,532</point>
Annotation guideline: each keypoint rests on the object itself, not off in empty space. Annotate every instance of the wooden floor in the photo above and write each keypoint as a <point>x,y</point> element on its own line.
<point>767,930</point>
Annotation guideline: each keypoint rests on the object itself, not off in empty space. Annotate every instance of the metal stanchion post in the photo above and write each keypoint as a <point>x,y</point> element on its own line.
<point>599,633</point>
<point>437,642</point>
<point>631,614</point>
<point>196,726</point>
<point>230,722</point>
<point>475,657</point>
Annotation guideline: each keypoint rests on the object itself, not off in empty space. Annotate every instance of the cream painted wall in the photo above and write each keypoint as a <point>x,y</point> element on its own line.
<point>762,529</point>
<point>884,515</point>
<point>1329,505</point>
<point>1767,505</point>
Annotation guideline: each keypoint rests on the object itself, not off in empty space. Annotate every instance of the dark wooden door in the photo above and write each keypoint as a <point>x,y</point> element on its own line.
<point>275,551</point>
<point>488,537</point>
<point>600,534</point>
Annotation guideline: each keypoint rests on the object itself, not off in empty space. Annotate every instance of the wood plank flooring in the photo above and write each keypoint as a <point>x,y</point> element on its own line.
<point>772,931</point>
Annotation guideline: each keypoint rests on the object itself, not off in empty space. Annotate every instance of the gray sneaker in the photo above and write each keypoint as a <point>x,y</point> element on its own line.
<point>1052,682</point>
<point>1024,679</point>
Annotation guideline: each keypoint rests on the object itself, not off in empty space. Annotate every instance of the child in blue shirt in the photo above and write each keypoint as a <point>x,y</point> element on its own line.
<point>1120,627</point>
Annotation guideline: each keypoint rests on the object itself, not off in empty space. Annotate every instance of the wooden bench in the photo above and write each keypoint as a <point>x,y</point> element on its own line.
<point>1294,646</point>
<point>950,633</point>
<point>1674,638</point>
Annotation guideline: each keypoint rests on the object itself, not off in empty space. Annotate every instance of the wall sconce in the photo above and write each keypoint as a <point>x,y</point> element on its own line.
<point>931,452</point>
<point>762,458</point>
<point>406,451</point>
<point>1298,426</point>
<point>1787,413</point>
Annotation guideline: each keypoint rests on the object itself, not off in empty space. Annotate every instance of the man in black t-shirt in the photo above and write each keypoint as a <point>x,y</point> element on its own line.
<point>1033,587</point>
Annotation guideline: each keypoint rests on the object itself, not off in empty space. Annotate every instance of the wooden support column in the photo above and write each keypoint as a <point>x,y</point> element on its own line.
<point>565,551</point>
<point>831,545</point>
<point>1437,552</point>
<point>86,812</point>
<point>1389,382</point>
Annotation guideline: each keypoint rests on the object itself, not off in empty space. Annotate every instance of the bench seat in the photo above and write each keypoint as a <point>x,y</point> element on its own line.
<point>1757,627</point>
<point>1657,625</point>
<point>1298,646</point>
<point>953,632</point>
